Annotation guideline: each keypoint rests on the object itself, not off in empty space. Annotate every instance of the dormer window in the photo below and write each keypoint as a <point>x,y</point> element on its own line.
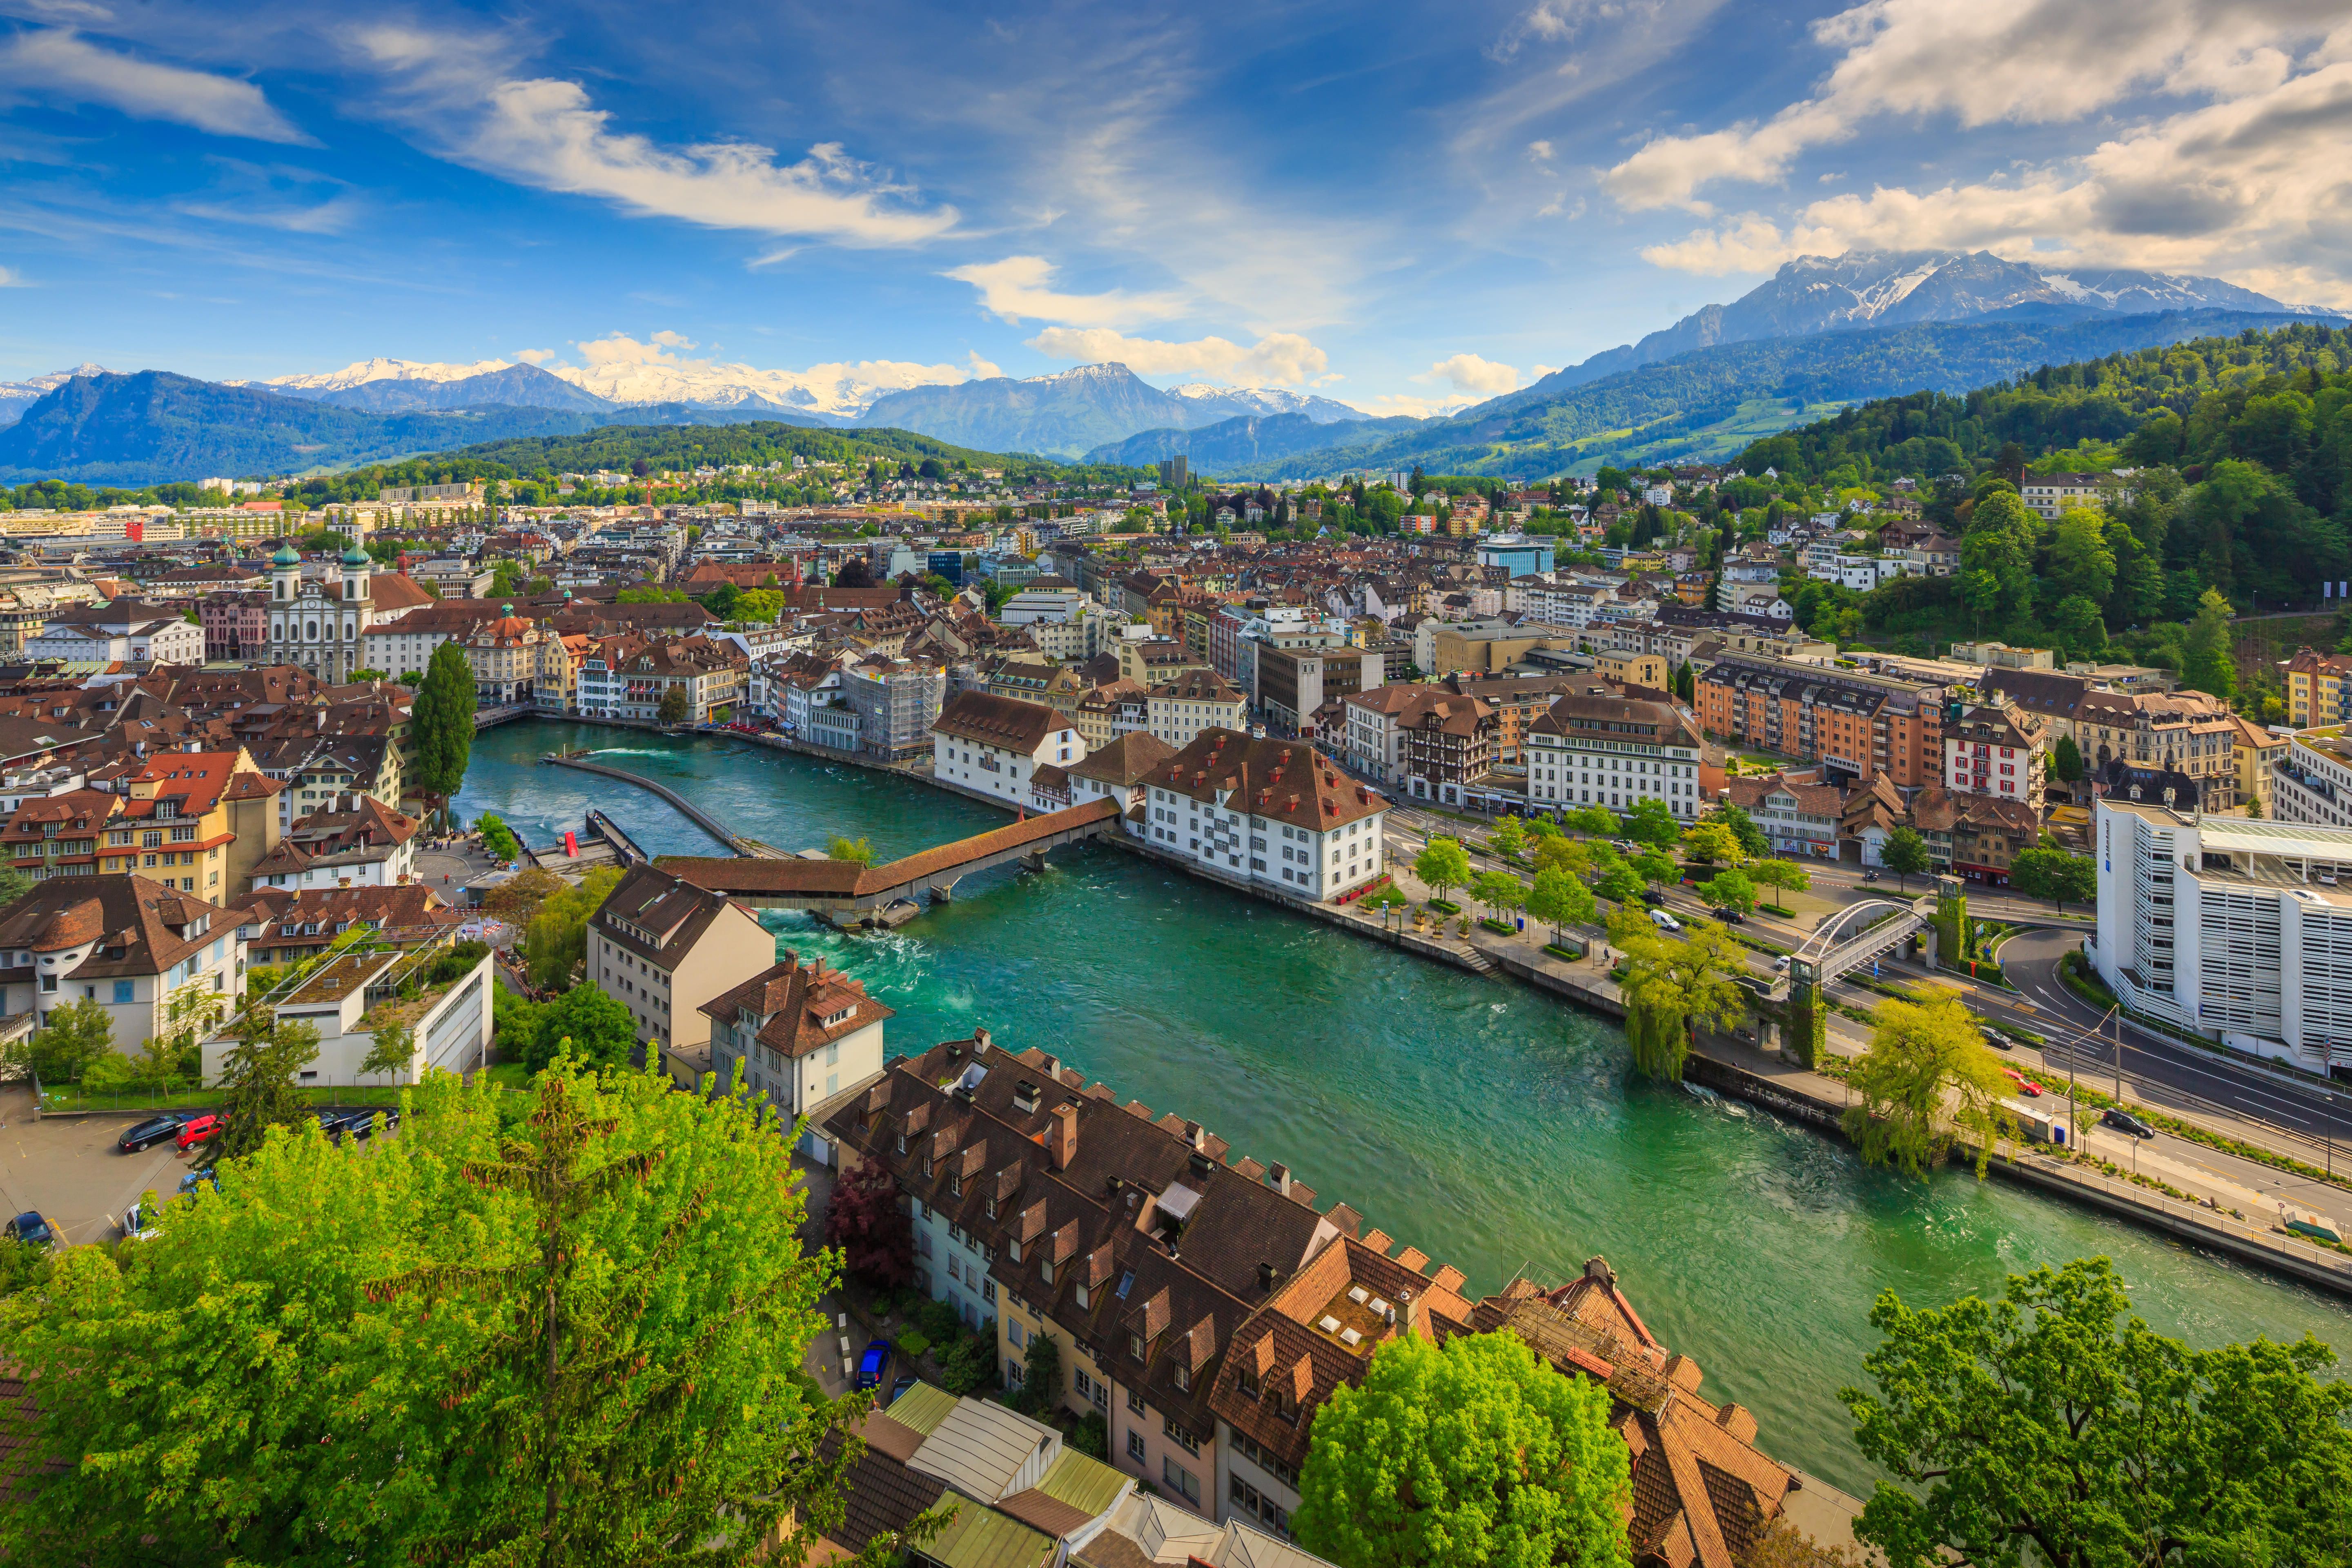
<point>1246,1381</point>
<point>955,1183</point>
<point>1183,1377</point>
<point>991,1206</point>
<point>1082,1291</point>
<point>1012,1250</point>
<point>840,1015</point>
<point>1135,1345</point>
<point>1046,1269</point>
<point>902,1143</point>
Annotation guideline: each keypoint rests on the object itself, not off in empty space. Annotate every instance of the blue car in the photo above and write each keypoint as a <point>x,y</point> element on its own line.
<point>874,1366</point>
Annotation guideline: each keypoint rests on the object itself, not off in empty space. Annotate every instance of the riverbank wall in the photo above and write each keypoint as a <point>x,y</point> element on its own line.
<point>1727,1067</point>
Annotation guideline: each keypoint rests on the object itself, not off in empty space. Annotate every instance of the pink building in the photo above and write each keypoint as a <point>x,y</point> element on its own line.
<point>236,622</point>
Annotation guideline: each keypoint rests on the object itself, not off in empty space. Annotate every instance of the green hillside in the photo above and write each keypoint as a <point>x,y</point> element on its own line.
<point>1710,403</point>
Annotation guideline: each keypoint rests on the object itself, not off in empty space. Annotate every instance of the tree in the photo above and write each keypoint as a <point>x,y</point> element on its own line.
<point>1499,890</point>
<point>586,1025</point>
<point>1471,1454</point>
<point>259,1078</point>
<point>14,885</point>
<point>1561,898</point>
<point>392,1046</point>
<point>1928,1078</point>
<point>1560,853</point>
<point>2046,872</point>
<point>555,932</point>
<point>2055,1427</point>
<point>1648,821</point>
<point>2066,760</point>
<point>1732,890</point>
<point>1617,880</point>
<point>498,838</point>
<point>1784,876</point>
<point>2207,665</point>
<point>1655,869</point>
<point>1597,820</point>
<point>189,1014</point>
<point>864,1220</point>
<point>1712,842</point>
<point>857,851</point>
<point>1743,827</point>
<point>1041,1376</point>
<point>1443,864</point>
<point>73,1036</point>
<point>442,720</point>
<point>676,707</point>
<point>1673,985</point>
<point>1509,838</point>
<point>1904,853</point>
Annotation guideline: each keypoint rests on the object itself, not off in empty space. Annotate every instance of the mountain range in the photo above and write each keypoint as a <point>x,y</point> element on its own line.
<point>1822,331</point>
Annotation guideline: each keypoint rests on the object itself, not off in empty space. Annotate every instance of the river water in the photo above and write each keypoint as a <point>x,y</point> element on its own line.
<point>1480,1121</point>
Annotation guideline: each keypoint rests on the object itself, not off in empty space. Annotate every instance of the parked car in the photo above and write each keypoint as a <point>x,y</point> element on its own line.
<point>874,1366</point>
<point>153,1131</point>
<point>1663,921</point>
<point>900,1387</point>
<point>199,1129</point>
<point>1996,1039</point>
<point>1730,916</point>
<point>138,1222</point>
<point>194,1179</point>
<point>1652,897</point>
<point>31,1230</point>
<point>2025,1086</point>
<point>2124,1121</point>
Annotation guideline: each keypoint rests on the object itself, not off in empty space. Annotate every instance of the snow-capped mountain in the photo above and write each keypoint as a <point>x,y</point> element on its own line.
<point>16,396</point>
<point>1900,288</point>
<point>361,373</point>
<point>1228,402</point>
<point>831,392</point>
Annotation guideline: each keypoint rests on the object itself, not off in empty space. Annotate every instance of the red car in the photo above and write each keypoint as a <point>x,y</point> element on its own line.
<point>2025,1086</point>
<point>199,1129</point>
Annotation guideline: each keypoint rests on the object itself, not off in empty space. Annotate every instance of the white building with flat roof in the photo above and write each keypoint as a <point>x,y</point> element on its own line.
<point>2238,928</point>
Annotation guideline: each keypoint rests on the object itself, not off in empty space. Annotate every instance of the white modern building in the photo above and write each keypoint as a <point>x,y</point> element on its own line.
<point>2239,929</point>
<point>1265,811</point>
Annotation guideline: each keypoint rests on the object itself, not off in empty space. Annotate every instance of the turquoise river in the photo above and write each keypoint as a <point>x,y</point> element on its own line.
<point>1481,1123</point>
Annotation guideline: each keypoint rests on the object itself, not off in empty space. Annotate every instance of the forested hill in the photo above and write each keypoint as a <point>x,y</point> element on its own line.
<point>2275,398</point>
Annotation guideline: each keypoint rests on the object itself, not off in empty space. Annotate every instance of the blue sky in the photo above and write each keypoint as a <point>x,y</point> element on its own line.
<point>1397,205</point>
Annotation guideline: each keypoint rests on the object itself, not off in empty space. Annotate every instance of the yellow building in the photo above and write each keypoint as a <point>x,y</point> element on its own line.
<point>1632,669</point>
<point>2318,689</point>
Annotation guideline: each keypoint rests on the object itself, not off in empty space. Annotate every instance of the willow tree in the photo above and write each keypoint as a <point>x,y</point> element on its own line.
<point>1928,1079</point>
<point>1672,986</point>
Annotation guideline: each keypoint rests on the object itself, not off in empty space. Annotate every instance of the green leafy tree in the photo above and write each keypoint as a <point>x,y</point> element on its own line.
<point>2056,1427</point>
<point>1443,864</point>
<point>14,885</point>
<point>1041,1376</point>
<point>555,928</point>
<point>2208,665</point>
<point>1474,1455</point>
<point>73,1036</point>
<point>498,838</point>
<point>1648,821</point>
<point>441,721</point>
<point>1928,1079</point>
<point>1782,876</point>
<point>1499,891</point>
<point>1674,986</point>
<point>587,1025</point>
<point>1655,869</point>
<point>1597,820</point>
<point>2081,561</point>
<point>2066,760</point>
<point>392,1047</point>
<point>1743,827</point>
<point>1509,838</point>
<point>1713,843</point>
<point>2047,871</point>
<point>1615,878</point>
<point>1558,852</point>
<point>259,1078</point>
<point>857,851</point>
<point>675,708</point>
<point>190,1013</point>
<point>1904,853</point>
<point>1561,899</point>
<point>1731,889</point>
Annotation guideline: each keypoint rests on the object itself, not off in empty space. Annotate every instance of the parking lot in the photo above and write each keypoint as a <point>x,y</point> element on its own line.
<point>68,1169</point>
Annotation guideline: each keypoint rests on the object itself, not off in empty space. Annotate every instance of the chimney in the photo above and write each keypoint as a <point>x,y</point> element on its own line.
<point>1737,1421</point>
<point>1062,1136</point>
<point>1279,1175</point>
<point>1265,1273</point>
<point>979,1038</point>
<point>1196,1135</point>
<point>1053,1066</point>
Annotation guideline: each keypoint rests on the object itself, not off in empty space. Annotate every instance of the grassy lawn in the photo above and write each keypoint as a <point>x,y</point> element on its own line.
<point>510,1075</point>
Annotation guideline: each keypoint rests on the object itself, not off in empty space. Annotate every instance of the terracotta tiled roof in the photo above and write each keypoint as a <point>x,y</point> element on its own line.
<point>1007,723</point>
<point>1288,781</point>
<point>799,1007</point>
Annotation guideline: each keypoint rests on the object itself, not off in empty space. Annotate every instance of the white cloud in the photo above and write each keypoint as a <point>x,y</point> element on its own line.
<point>1015,289</point>
<point>1389,404</point>
<point>1277,358</point>
<point>12,279</point>
<point>983,369</point>
<point>55,63</point>
<point>2021,61</point>
<point>536,356</point>
<point>1539,151</point>
<point>545,133</point>
<point>1469,373</point>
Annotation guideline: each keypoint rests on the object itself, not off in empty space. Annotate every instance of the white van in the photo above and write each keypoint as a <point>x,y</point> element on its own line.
<point>1663,921</point>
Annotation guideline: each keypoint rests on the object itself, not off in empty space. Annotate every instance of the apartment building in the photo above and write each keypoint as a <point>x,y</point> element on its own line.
<point>1295,683</point>
<point>127,943</point>
<point>1198,700</point>
<point>2239,929</point>
<point>1267,811</point>
<point>1855,724</point>
<point>799,1035</point>
<point>2312,783</point>
<point>2052,494</point>
<point>1425,740</point>
<point>2189,733</point>
<point>896,703</point>
<point>1598,748</point>
<point>1797,816</point>
<point>2318,689</point>
<point>662,947</point>
<point>197,821</point>
<point>994,745</point>
<point>1996,751</point>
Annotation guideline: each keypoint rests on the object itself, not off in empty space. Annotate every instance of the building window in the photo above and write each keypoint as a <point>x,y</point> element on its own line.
<point>1181,1480</point>
<point>1135,1444</point>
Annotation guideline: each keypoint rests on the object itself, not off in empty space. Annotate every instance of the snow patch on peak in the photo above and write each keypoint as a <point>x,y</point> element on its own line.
<point>358,373</point>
